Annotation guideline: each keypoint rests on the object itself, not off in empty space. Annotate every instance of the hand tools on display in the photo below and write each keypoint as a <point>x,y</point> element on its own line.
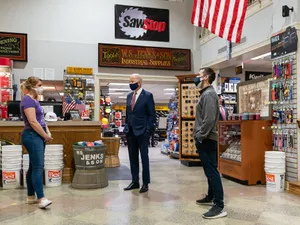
<point>283,140</point>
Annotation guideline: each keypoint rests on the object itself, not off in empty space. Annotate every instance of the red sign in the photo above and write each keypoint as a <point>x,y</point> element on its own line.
<point>54,173</point>
<point>128,56</point>
<point>270,177</point>
<point>9,175</point>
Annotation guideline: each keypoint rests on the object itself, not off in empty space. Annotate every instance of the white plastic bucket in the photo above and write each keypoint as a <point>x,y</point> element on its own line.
<point>11,147</point>
<point>25,169</point>
<point>11,166</point>
<point>271,167</point>
<point>53,176</point>
<point>275,181</point>
<point>57,153</point>
<point>53,157</point>
<point>11,178</point>
<point>12,152</point>
<point>274,154</point>
<point>54,147</point>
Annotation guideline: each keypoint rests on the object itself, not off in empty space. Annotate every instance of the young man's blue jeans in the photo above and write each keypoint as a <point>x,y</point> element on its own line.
<point>208,155</point>
<point>35,146</point>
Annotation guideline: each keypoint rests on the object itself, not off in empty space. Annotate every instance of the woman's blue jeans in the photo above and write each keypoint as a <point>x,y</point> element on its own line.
<point>35,145</point>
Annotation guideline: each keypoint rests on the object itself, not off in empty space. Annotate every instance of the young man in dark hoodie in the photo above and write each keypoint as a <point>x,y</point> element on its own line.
<point>206,137</point>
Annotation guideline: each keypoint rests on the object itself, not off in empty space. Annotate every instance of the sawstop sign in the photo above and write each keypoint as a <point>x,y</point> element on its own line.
<point>141,23</point>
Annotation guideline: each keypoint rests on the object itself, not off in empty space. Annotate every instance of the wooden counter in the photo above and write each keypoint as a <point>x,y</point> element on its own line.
<point>63,132</point>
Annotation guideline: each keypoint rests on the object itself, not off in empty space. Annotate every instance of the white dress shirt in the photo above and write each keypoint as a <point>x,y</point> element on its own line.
<point>138,93</point>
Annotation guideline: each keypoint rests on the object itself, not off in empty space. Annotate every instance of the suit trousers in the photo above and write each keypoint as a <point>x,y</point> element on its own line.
<point>208,155</point>
<point>138,144</point>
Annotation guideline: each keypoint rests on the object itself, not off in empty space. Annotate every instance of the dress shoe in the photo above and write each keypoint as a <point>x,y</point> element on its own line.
<point>144,188</point>
<point>132,186</point>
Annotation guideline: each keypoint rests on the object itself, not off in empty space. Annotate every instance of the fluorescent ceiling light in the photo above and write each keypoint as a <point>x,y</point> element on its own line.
<point>122,96</point>
<point>261,56</point>
<point>116,93</point>
<point>169,93</point>
<point>49,88</point>
<point>169,89</point>
<point>117,84</point>
<point>119,89</point>
<point>61,93</point>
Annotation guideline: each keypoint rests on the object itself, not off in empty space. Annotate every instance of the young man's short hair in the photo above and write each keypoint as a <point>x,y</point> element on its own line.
<point>210,73</point>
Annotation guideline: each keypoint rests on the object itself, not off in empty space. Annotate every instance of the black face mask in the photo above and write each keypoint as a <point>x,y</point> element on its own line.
<point>134,86</point>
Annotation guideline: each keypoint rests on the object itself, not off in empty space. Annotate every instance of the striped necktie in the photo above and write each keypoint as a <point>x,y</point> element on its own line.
<point>133,101</point>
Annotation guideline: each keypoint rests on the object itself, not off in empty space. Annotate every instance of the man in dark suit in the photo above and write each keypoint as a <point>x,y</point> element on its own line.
<point>139,125</point>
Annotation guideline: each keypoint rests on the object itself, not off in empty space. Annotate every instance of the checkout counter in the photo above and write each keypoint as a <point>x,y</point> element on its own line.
<point>63,132</point>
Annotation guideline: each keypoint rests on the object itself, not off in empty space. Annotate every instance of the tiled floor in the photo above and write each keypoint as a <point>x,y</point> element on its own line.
<point>170,201</point>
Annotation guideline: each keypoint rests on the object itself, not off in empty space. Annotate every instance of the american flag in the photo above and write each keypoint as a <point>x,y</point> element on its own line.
<point>68,105</point>
<point>225,18</point>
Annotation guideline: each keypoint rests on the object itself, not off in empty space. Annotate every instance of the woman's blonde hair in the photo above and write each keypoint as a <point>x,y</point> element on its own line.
<point>29,84</point>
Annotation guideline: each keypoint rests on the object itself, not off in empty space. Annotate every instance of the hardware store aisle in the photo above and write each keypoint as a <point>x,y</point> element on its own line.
<point>170,201</point>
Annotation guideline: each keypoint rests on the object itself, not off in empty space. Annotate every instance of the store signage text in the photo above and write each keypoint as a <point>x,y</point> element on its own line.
<point>250,75</point>
<point>144,57</point>
<point>13,46</point>
<point>284,43</point>
<point>141,23</point>
<point>80,70</point>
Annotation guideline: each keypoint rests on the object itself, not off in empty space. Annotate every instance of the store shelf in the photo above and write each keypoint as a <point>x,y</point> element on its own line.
<point>234,162</point>
<point>188,117</point>
<point>230,103</point>
<point>251,144</point>
<point>228,92</point>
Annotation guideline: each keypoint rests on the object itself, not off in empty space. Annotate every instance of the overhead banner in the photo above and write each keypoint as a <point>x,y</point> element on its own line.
<point>141,23</point>
<point>251,75</point>
<point>284,43</point>
<point>13,46</point>
<point>128,56</point>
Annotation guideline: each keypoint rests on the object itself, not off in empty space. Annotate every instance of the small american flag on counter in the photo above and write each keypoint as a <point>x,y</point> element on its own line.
<point>68,104</point>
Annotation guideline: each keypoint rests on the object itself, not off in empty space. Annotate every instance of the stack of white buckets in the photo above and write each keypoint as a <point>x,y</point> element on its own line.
<point>275,170</point>
<point>11,161</point>
<point>25,168</point>
<point>54,164</point>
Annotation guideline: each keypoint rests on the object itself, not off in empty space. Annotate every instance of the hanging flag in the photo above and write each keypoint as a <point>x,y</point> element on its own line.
<point>225,18</point>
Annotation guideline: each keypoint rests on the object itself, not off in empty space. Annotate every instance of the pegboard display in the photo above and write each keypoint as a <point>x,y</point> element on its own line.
<point>187,135</point>
<point>188,96</point>
<point>284,111</point>
<point>189,99</point>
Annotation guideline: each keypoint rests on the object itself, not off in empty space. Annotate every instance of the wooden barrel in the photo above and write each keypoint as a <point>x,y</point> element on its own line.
<point>90,172</point>
<point>112,151</point>
<point>90,179</point>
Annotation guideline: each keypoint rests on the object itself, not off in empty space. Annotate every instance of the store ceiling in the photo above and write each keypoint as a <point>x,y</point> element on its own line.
<point>260,64</point>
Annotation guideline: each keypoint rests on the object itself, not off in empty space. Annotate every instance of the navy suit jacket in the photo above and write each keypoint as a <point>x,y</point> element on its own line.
<point>142,118</point>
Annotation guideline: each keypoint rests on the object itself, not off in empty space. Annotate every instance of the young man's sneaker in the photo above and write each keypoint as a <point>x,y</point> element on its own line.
<point>214,213</point>
<point>44,203</point>
<point>205,201</point>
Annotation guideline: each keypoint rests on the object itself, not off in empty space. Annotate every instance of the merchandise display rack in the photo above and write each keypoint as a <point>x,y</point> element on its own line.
<point>6,91</point>
<point>188,99</point>
<point>172,148</point>
<point>241,149</point>
<point>284,111</point>
<point>81,88</point>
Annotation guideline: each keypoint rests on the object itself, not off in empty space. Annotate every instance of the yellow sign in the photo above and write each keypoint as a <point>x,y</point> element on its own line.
<point>80,70</point>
